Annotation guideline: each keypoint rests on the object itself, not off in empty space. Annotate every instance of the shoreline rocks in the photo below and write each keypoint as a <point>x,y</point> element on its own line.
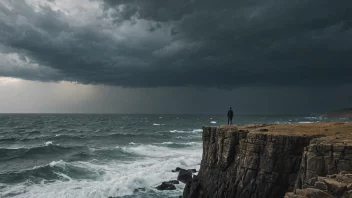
<point>166,186</point>
<point>178,169</point>
<point>184,176</point>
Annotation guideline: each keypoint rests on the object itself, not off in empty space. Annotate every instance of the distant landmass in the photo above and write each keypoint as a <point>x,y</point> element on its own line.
<point>339,113</point>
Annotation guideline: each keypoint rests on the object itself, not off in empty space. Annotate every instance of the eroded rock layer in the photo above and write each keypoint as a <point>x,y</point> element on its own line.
<point>325,171</point>
<point>271,160</point>
<point>242,164</point>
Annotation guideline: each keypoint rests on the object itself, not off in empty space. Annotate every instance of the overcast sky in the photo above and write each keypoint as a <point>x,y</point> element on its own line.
<point>175,56</point>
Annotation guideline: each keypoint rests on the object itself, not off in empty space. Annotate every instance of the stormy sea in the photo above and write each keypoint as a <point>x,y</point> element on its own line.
<point>48,155</point>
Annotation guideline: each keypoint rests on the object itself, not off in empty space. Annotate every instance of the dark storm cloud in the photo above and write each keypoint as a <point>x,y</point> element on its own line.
<point>140,43</point>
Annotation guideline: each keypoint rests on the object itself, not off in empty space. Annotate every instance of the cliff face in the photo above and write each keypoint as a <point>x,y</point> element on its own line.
<point>325,171</point>
<point>243,163</point>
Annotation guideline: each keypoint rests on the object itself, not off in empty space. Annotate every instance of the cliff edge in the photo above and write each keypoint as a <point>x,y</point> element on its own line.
<point>339,113</point>
<point>292,160</point>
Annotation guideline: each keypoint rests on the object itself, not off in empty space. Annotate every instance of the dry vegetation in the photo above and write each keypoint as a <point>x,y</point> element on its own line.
<point>332,132</point>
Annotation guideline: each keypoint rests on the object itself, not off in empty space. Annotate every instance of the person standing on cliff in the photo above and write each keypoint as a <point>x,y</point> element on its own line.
<point>229,116</point>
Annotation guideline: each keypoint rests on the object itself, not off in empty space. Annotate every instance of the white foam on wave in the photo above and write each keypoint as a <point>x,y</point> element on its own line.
<point>63,176</point>
<point>48,143</point>
<point>166,143</point>
<point>186,131</point>
<point>313,118</point>
<point>213,122</point>
<point>180,143</point>
<point>61,164</point>
<point>304,122</point>
<point>279,122</point>
<point>153,151</point>
<point>197,130</point>
<point>177,131</point>
<point>121,178</point>
<point>155,124</point>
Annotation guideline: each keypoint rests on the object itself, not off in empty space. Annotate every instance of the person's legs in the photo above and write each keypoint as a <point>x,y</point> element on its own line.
<point>230,120</point>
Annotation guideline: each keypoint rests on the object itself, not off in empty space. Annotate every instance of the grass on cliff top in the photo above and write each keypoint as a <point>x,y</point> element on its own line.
<point>334,132</point>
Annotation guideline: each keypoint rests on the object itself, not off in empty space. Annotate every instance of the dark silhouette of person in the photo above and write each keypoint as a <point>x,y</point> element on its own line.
<point>229,116</point>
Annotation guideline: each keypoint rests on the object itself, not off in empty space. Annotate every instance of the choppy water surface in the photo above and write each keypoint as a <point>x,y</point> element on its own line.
<point>103,155</point>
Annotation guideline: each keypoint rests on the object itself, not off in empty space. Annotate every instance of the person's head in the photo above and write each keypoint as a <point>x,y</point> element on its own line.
<point>230,107</point>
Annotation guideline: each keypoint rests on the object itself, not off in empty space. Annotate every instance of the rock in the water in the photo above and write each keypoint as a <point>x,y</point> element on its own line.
<point>166,186</point>
<point>139,189</point>
<point>184,176</point>
<point>178,169</point>
<point>192,170</point>
<point>173,182</point>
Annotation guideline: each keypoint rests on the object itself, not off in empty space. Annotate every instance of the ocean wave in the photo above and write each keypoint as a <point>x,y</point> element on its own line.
<point>48,149</point>
<point>177,131</point>
<point>56,170</point>
<point>119,135</point>
<point>282,122</point>
<point>166,149</point>
<point>33,132</point>
<point>8,139</point>
<point>112,179</point>
<point>197,130</point>
<point>70,153</point>
<point>179,144</point>
<point>44,138</point>
<point>63,137</point>
<point>187,131</point>
<point>183,143</point>
<point>111,153</point>
<point>313,118</point>
<point>95,178</point>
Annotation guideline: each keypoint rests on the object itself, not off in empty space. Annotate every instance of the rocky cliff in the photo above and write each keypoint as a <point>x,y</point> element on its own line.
<point>272,160</point>
<point>325,170</point>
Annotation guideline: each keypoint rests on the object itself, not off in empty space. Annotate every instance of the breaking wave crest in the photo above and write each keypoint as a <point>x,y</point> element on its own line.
<point>49,149</point>
<point>56,170</point>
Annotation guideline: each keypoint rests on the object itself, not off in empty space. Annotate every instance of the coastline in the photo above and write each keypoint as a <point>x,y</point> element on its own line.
<point>275,160</point>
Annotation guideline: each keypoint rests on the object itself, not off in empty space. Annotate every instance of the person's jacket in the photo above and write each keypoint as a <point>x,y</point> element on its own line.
<point>230,113</point>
